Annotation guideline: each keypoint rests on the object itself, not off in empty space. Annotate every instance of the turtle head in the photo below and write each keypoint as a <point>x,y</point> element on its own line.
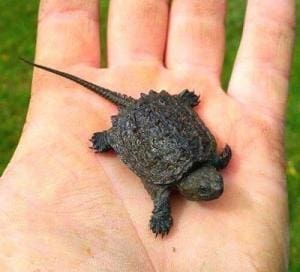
<point>205,183</point>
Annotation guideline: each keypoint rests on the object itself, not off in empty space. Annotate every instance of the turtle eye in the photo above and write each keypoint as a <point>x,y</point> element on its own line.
<point>162,101</point>
<point>204,188</point>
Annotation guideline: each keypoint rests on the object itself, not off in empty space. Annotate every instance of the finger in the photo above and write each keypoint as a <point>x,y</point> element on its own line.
<point>137,31</point>
<point>68,32</point>
<point>196,35</point>
<point>261,70</point>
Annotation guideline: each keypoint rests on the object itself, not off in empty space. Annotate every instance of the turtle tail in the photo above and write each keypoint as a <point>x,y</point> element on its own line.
<point>114,97</point>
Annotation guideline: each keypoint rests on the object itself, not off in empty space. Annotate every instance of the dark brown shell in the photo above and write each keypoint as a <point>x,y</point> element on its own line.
<point>160,138</point>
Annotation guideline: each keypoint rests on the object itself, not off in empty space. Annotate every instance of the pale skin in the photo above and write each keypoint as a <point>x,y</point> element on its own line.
<point>64,208</point>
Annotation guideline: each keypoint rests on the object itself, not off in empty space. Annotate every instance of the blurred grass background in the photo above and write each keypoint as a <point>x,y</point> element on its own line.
<point>17,38</point>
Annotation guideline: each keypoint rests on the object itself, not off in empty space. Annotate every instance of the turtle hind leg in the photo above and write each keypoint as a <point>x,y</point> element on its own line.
<point>189,98</point>
<point>223,159</point>
<point>161,220</point>
<point>100,141</point>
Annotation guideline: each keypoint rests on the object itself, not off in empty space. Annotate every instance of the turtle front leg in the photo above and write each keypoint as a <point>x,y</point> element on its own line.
<point>223,159</point>
<point>161,220</point>
<point>189,98</point>
<point>100,141</point>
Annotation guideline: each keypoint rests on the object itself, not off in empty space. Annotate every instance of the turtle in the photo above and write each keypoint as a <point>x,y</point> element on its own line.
<point>163,141</point>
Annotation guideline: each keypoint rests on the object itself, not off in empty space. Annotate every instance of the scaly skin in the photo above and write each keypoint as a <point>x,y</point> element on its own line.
<point>64,208</point>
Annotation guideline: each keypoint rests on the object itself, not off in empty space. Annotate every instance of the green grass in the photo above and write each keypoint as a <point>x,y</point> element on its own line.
<point>18,30</point>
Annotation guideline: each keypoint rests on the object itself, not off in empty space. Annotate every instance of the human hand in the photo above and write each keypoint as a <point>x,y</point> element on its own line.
<point>64,208</point>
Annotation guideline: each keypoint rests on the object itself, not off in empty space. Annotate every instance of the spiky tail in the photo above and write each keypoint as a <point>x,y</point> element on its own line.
<point>114,97</point>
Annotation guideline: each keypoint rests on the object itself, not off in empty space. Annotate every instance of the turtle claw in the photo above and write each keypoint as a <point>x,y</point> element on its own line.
<point>160,225</point>
<point>100,142</point>
<point>223,158</point>
<point>189,97</point>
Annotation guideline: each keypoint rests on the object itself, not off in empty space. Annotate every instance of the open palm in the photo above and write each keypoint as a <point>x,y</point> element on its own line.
<point>65,208</point>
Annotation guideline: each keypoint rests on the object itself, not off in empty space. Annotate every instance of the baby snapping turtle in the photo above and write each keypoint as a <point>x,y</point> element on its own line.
<point>161,139</point>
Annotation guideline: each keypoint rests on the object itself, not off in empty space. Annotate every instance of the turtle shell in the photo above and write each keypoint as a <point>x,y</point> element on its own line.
<point>160,138</point>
